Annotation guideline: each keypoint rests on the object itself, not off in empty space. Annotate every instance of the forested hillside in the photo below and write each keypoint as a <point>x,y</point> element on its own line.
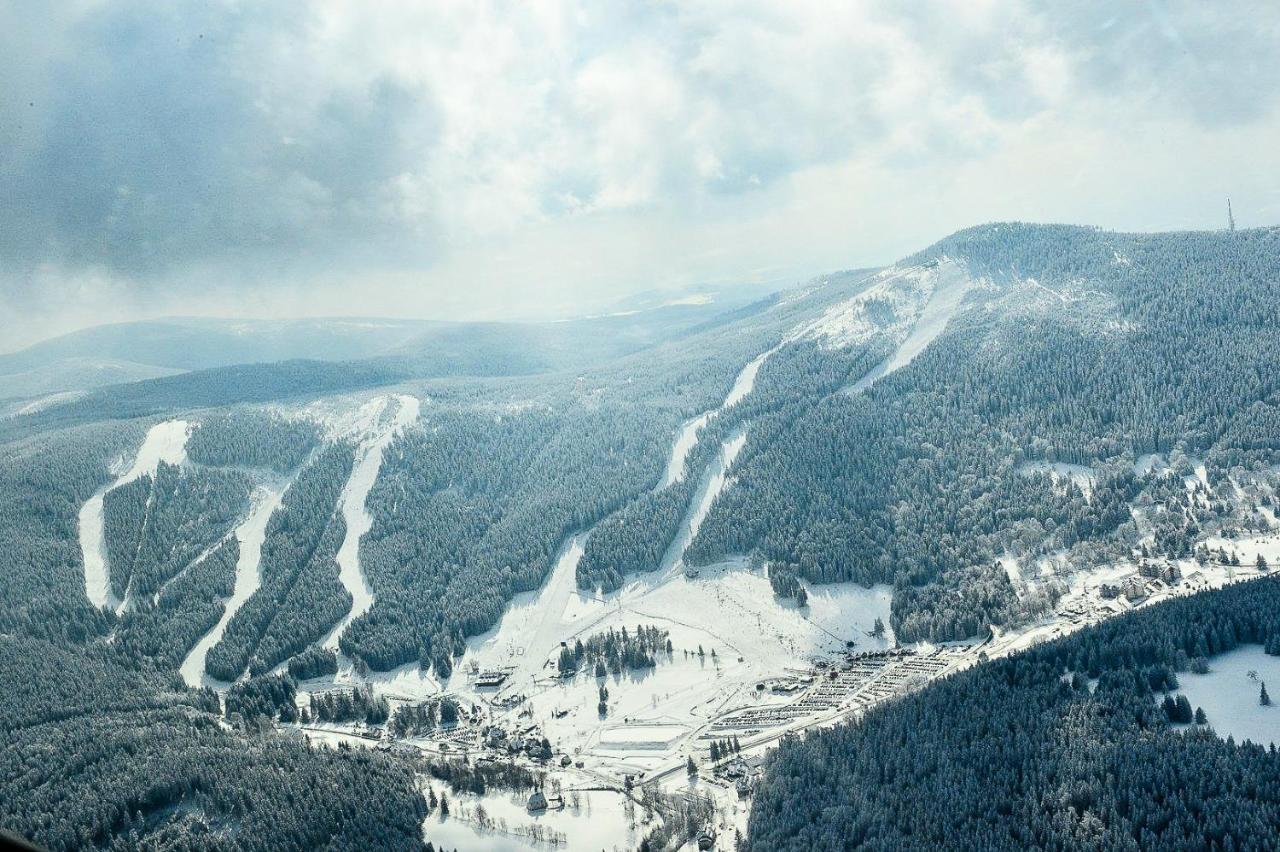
<point>1065,747</point>
<point>95,756</point>
<point>883,439</point>
<point>300,597</point>
<point>473,510</point>
<point>1080,346</point>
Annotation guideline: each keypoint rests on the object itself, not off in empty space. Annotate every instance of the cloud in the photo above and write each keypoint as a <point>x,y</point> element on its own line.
<point>446,157</point>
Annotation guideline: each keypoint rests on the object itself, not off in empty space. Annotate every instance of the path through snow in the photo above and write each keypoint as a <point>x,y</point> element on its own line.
<point>250,534</point>
<point>165,442</point>
<point>949,284</point>
<point>687,437</point>
<point>395,415</point>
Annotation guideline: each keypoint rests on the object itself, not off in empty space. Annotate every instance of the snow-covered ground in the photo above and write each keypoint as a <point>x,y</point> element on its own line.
<point>165,442</point>
<point>590,821</point>
<point>1229,695</point>
<point>1083,476</point>
<point>250,534</point>
<point>687,437</point>
<point>390,416</point>
<point>948,284</point>
<point>727,608</point>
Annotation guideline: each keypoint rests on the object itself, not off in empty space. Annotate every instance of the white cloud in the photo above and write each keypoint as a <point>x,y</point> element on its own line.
<point>444,157</point>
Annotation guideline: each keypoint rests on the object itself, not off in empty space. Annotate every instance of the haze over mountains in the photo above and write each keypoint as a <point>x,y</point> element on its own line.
<point>642,543</point>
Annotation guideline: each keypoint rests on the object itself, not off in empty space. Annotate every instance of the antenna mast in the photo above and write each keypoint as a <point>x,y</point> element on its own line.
<point>1231,220</point>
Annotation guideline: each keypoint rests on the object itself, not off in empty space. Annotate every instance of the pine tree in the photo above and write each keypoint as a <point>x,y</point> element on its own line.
<point>1263,698</point>
<point>691,767</point>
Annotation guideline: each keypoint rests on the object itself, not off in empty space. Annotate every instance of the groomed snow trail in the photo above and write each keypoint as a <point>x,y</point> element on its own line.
<point>713,482</point>
<point>949,285</point>
<point>687,437</point>
<point>250,534</point>
<point>354,511</point>
<point>165,442</point>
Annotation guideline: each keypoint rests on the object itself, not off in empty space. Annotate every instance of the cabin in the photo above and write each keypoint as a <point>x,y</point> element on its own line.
<point>538,801</point>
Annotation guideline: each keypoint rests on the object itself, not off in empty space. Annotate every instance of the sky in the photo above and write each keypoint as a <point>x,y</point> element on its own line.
<point>540,158</point>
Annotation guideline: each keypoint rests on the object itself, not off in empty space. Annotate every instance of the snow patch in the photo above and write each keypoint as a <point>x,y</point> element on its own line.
<point>1083,476</point>
<point>1229,695</point>
<point>949,284</point>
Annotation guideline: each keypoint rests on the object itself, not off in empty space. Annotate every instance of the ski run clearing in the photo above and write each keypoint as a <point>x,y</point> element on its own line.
<point>165,442</point>
<point>390,416</point>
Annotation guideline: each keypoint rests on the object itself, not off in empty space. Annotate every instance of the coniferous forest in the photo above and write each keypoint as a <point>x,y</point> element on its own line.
<point>924,480</point>
<point>1066,746</point>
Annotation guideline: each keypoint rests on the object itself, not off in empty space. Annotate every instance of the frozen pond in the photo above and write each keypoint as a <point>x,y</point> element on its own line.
<point>1230,697</point>
<point>589,822</point>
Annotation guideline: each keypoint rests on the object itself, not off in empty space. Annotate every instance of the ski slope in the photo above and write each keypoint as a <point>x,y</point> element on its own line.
<point>165,442</point>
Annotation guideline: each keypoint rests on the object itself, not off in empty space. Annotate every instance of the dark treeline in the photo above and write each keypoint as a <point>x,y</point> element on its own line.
<point>43,484</point>
<point>476,508</point>
<point>422,718</point>
<point>270,696</point>
<point>186,609</point>
<point>253,439</point>
<point>348,705</point>
<point>786,584</point>
<point>157,525</point>
<point>479,778</point>
<point>217,386</point>
<point>96,755</point>
<point>1020,753</point>
<point>313,662</point>
<point>300,597</point>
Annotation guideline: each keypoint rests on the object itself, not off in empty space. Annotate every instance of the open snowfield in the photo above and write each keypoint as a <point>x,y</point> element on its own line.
<point>727,608</point>
<point>165,442</point>
<point>1229,695</point>
<point>590,821</point>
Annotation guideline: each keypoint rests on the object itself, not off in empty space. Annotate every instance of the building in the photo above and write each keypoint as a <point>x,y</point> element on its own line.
<point>538,801</point>
<point>490,679</point>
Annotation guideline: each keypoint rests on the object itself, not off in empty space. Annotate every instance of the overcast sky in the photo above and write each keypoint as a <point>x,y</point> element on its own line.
<point>542,158</point>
